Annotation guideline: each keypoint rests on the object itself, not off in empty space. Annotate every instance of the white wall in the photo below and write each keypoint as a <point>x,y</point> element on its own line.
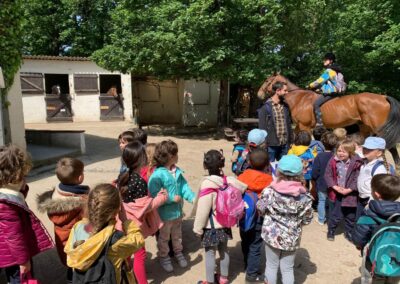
<point>86,107</point>
<point>16,114</point>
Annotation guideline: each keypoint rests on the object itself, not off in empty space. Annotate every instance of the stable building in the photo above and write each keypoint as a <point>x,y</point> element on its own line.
<point>56,88</point>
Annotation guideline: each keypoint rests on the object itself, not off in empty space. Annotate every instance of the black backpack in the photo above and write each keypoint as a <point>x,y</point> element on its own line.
<point>102,270</point>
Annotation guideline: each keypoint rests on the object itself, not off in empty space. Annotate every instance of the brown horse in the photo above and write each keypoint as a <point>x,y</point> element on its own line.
<point>374,113</point>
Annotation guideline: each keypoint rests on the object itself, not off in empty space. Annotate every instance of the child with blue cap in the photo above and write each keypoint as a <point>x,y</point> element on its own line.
<point>375,163</point>
<point>286,206</point>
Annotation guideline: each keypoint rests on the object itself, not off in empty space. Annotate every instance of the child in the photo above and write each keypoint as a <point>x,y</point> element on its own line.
<point>341,179</point>
<point>124,139</point>
<point>316,145</point>
<point>386,194</point>
<point>148,169</point>
<point>139,206</point>
<point>255,139</point>
<point>239,147</point>
<point>286,206</point>
<point>22,235</point>
<point>88,237</point>
<point>375,163</point>
<point>64,204</point>
<point>139,135</point>
<point>256,179</point>
<point>168,176</point>
<point>340,133</point>
<point>301,148</point>
<point>358,140</point>
<point>213,236</point>
<point>329,141</point>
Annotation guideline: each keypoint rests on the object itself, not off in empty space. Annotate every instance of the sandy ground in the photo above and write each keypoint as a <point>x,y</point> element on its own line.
<point>317,261</point>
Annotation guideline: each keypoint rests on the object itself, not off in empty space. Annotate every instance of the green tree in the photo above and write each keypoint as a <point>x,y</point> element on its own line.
<point>11,17</point>
<point>233,40</point>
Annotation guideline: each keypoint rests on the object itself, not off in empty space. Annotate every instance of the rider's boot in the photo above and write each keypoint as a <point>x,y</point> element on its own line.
<point>318,117</point>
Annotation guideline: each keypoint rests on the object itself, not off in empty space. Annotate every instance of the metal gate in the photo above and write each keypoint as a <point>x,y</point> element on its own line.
<point>58,108</point>
<point>111,108</point>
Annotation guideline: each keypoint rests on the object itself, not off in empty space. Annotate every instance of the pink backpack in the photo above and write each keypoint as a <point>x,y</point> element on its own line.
<point>229,204</point>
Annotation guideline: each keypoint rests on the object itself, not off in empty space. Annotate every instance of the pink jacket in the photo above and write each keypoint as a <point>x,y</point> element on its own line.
<point>144,213</point>
<point>22,235</point>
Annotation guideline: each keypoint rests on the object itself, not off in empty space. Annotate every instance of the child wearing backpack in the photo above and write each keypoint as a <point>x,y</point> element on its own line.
<point>170,177</point>
<point>375,163</point>
<point>238,148</point>
<point>95,249</point>
<point>316,145</point>
<point>385,204</point>
<point>256,180</point>
<point>64,204</point>
<point>285,206</point>
<point>214,236</point>
<point>341,179</point>
<point>22,235</point>
<point>139,206</point>
<point>255,139</point>
<point>301,148</point>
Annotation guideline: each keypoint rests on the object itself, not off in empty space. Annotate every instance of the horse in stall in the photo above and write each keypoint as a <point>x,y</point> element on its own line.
<point>374,113</point>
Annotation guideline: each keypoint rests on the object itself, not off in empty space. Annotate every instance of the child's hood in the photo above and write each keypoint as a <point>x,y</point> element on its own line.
<point>52,202</point>
<point>292,188</point>
<point>383,209</point>
<point>214,181</point>
<point>84,255</point>
<point>255,180</point>
<point>138,208</point>
<point>298,150</point>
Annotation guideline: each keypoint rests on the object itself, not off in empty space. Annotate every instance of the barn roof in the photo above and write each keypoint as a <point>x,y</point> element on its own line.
<point>60,58</point>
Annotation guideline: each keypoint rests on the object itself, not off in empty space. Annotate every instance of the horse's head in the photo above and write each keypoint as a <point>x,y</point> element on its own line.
<point>266,88</point>
<point>56,90</point>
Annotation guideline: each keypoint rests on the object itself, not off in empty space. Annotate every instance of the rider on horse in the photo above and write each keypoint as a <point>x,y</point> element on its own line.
<point>328,83</point>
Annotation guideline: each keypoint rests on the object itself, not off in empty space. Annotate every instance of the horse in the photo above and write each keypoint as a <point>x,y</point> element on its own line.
<point>374,113</point>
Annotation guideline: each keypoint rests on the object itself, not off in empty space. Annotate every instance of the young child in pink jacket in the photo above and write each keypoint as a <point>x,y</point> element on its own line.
<point>22,235</point>
<point>138,204</point>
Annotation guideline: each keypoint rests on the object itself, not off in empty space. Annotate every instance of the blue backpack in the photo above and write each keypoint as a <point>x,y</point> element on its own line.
<point>392,171</point>
<point>250,212</point>
<point>383,250</point>
<point>240,148</point>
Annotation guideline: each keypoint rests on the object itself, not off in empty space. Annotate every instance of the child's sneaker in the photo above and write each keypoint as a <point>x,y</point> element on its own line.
<point>166,264</point>
<point>181,260</point>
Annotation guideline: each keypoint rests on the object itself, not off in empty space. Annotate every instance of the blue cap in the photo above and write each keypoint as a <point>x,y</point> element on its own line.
<point>290,165</point>
<point>373,143</point>
<point>257,136</point>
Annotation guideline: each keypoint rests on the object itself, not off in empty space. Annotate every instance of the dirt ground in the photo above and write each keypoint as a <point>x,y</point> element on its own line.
<point>317,261</point>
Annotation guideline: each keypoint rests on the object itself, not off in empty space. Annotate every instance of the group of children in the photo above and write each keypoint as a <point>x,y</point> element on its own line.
<point>107,225</point>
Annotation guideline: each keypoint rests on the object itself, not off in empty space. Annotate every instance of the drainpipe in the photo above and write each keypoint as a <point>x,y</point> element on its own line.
<point>2,86</point>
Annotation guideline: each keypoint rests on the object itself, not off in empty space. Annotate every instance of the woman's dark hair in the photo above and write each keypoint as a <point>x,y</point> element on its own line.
<point>329,140</point>
<point>302,138</point>
<point>164,151</point>
<point>214,161</point>
<point>387,186</point>
<point>134,157</point>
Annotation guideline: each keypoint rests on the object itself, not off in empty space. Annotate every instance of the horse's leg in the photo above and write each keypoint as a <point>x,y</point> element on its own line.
<point>302,127</point>
<point>395,155</point>
<point>365,130</point>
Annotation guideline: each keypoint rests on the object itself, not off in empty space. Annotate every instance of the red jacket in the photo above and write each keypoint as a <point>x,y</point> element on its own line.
<point>22,235</point>
<point>256,180</point>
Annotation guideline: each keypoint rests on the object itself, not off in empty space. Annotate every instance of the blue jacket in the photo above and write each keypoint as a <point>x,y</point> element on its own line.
<point>362,233</point>
<point>162,178</point>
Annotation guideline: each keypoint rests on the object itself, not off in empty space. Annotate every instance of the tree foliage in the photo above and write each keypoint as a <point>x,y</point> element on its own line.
<point>243,41</point>
<point>11,18</point>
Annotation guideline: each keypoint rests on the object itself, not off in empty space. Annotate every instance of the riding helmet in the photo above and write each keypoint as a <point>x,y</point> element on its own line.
<point>330,56</point>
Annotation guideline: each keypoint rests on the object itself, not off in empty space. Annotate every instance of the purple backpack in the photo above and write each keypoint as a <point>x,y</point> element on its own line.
<point>229,204</point>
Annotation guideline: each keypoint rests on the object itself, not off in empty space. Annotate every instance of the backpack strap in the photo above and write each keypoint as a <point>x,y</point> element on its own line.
<point>211,220</point>
<point>207,190</point>
<point>375,167</point>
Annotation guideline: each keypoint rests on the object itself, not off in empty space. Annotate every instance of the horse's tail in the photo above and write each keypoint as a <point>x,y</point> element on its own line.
<point>390,131</point>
